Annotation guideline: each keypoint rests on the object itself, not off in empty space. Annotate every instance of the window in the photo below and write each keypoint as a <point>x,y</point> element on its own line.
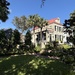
<point>62,29</point>
<point>59,29</point>
<point>60,37</point>
<point>44,35</point>
<point>55,28</point>
<point>38,37</point>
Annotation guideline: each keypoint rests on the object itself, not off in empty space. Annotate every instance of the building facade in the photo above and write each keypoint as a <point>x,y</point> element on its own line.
<point>52,32</point>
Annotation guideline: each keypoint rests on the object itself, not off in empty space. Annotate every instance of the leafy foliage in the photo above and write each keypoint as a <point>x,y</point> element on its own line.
<point>8,41</point>
<point>69,55</point>
<point>3,41</point>
<point>4,10</point>
<point>28,42</point>
<point>16,37</point>
<point>37,49</point>
<point>28,38</point>
<point>20,23</point>
<point>49,46</point>
<point>37,21</point>
<point>70,27</point>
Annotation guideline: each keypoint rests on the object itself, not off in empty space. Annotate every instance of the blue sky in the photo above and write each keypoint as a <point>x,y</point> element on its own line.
<point>51,9</point>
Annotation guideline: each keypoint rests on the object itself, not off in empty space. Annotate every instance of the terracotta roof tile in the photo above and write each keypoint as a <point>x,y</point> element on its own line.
<point>50,22</point>
<point>54,21</point>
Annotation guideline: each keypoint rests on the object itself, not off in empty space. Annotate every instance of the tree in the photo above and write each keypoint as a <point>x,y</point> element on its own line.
<point>3,41</point>
<point>4,10</point>
<point>36,20</point>
<point>15,41</point>
<point>20,23</point>
<point>28,38</point>
<point>41,24</point>
<point>70,27</point>
<point>24,23</point>
<point>33,21</point>
<point>8,34</point>
<point>16,37</point>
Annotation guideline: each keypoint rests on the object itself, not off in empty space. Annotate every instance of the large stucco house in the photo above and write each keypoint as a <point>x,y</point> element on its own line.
<point>52,32</point>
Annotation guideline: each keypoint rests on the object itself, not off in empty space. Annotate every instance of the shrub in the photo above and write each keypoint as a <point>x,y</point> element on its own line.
<point>37,49</point>
<point>55,43</point>
<point>49,46</point>
<point>66,46</point>
<point>68,56</point>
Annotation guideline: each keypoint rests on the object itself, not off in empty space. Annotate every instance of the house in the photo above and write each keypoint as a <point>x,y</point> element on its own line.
<point>52,32</point>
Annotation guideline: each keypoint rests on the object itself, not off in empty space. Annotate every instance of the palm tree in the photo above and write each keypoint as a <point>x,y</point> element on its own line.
<point>42,23</point>
<point>33,21</point>
<point>36,20</point>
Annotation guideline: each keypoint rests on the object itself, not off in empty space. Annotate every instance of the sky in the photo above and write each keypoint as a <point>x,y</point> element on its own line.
<point>51,9</point>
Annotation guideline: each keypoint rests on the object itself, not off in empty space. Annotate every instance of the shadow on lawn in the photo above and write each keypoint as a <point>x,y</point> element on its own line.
<point>31,65</point>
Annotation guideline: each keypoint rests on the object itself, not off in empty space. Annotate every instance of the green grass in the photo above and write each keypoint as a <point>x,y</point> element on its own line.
<point>33,65</point>
<point>66,46</point>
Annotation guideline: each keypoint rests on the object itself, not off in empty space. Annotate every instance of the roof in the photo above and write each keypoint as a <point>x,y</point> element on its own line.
<point>50,22</point>
<point>54,21</point>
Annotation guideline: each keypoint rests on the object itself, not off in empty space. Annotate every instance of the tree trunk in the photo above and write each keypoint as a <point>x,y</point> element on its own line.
<point>41,37</point>
<point>34,37</point>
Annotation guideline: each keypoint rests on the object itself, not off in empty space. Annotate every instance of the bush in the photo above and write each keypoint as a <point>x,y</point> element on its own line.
<point>49,46</point>
<point>54,49</point>
<point>66,46</point>
<point>37,49</point>
<point>55,43</point>
<point>68,56</point>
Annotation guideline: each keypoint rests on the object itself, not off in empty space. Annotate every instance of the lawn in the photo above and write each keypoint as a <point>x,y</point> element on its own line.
<point>32,65</point>
<point>66,46</point>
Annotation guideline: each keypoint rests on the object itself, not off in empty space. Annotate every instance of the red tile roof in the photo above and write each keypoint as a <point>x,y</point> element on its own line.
<point>50,22</point>
<point>54,21</point>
